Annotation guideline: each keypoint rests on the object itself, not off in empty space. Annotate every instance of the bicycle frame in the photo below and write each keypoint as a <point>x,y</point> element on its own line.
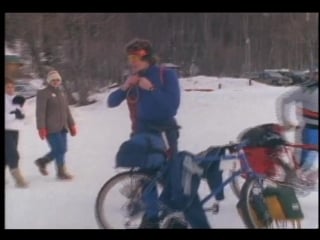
<point>204,160</point>
<point>244,169</point>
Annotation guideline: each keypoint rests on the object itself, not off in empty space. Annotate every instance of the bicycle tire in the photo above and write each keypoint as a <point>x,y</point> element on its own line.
<point>103,218</point>
<point>250,217</point>
<point>236,184</point>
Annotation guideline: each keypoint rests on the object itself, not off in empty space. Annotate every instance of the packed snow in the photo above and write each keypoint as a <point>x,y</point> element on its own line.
<point>207,118</point>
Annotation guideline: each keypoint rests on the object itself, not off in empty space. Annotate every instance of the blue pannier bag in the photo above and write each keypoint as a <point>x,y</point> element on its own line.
<point>143,150</point>
<point>182,181</point>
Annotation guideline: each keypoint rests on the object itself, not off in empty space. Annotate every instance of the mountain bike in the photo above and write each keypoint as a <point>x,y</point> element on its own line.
<point>119,205</point>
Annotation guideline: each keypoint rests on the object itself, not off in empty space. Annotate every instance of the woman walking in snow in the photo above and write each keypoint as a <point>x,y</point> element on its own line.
<point>54,119</point>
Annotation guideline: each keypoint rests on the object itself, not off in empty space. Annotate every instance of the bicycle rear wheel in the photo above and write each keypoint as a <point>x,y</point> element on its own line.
<point>251,219</point>
<point>118,204</point>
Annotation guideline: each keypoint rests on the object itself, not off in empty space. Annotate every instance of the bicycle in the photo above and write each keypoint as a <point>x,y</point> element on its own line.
<point>291,167</point>
<point>111,213</point>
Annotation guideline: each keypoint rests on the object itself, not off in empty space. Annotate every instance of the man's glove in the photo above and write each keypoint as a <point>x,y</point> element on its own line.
<point>20,100</point>
<point>130,81</point>
<point>73,130</point>
<point>18,113</point>
<point>43,133</point>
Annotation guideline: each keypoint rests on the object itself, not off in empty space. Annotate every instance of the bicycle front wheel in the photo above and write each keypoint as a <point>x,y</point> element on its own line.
<point>237,184</point>
<point>252,189</point>
<point>118,204</point>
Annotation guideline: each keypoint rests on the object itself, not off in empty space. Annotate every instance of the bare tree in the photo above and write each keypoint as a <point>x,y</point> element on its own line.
<point>89,47</point>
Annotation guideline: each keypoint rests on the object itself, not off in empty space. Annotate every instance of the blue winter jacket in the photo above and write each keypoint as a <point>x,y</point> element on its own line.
<point>157,106</point>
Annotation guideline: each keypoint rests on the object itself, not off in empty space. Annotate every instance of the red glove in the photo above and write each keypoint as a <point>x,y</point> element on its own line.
<point>73,131</point>
<point>43,133</point>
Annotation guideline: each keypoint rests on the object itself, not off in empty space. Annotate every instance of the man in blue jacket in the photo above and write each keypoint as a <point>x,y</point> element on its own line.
<point>153,98</point>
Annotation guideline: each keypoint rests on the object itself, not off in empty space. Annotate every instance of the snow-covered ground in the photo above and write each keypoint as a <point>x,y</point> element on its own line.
<point>207,118</point>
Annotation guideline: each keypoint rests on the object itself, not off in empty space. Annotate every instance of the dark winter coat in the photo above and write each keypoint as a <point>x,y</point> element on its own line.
<point>52,110</point>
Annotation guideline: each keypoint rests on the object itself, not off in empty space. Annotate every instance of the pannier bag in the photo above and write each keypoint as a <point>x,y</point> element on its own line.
<point>264,146</point>
<point>261,160</point>
<point>259,210</point>
<point>279,204</point>
<point>182,181</point>
<point>143,150</point>
<point>283,203</point>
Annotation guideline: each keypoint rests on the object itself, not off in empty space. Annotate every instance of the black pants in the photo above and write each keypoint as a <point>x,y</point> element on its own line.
<point>11,148</point>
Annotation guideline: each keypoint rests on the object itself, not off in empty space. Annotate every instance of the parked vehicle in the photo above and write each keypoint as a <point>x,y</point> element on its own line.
<point>26,90</point>
<point>250,75</point>
<point>297,77</point>
<point>274,78</point>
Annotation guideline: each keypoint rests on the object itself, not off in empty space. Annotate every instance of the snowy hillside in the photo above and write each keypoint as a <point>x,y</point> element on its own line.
<point>207,118</point>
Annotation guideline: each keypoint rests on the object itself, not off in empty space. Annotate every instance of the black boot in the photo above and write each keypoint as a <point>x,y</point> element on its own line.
<point>41,163</point>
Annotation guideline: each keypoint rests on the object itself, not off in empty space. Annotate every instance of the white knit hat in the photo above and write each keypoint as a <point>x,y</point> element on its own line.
<point>53,75</point>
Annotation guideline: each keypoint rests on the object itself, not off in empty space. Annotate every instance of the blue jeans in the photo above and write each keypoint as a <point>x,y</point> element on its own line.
<point>196,215</point>
<point>150,195</point>
<point>308,157</point>
<point>150,198</point>
<point>58,144</point>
